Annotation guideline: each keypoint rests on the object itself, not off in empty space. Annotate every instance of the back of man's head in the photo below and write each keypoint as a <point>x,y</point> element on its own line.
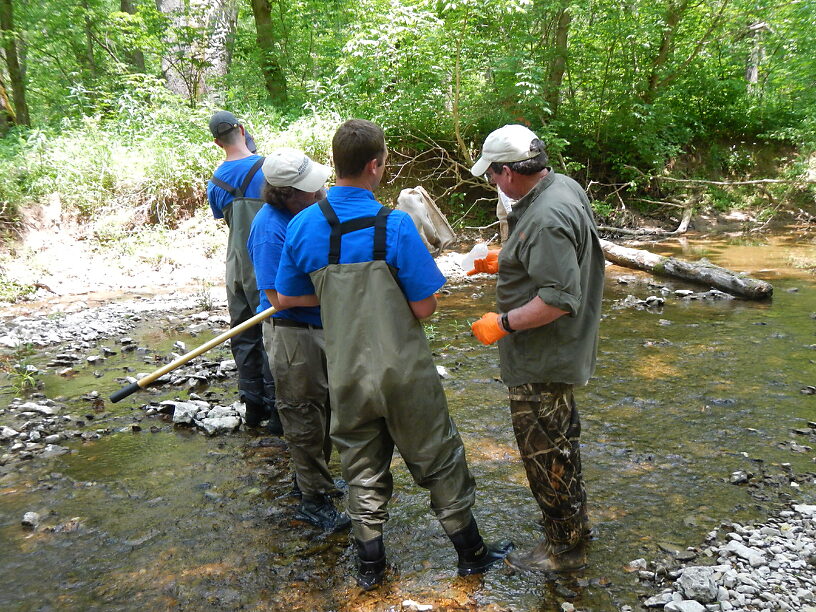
<point>224,128</point>
<point>356,143</point>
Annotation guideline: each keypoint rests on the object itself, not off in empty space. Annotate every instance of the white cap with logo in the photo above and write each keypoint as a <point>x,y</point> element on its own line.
<point>293,168</point>
<point>510,143</point>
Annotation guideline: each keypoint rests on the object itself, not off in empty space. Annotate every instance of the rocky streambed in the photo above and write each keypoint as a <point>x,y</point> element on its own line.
<point>719,449</point>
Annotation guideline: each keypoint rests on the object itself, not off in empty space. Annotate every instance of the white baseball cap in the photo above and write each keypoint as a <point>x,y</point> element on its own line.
<point>510,143</point>
<point>293,168</point>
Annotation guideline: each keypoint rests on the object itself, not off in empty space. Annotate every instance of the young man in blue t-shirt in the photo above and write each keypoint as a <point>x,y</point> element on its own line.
<point>294,337</point>
<point>374,280</point>
<point>233,193</point>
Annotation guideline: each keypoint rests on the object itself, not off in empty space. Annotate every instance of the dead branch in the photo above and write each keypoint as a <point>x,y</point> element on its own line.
<point>681,229</point>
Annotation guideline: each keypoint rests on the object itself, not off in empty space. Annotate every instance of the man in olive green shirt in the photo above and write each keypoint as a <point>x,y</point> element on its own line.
<point>549,288</point>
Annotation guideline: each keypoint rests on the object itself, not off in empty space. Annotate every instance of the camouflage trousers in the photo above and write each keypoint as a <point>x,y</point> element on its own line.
<point>547,430</point>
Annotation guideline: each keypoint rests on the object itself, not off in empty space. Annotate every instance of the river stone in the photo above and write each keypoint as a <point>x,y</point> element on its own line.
<point>54,450</point>
<point>219,425</point>
<point>32,407</point>
<point>7,433</point>
<point>218,412</point>
<point>658,601</point>
<point>687,605</point>
<point>30,519</point>
<point>184,412</point>
<point>752,555</point>
<point>697,582</point>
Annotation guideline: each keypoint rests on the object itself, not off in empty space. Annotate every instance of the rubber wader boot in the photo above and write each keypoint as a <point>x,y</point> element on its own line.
<point>476,557</point>
<point>274,426</point>
<point>320,512</point>
<point>255,413</point>
<point>547,558</point>
<point>371,559</point>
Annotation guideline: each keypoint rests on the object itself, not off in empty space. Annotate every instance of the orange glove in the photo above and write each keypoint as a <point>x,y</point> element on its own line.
<point>488,265</point>
<point>489,329</point>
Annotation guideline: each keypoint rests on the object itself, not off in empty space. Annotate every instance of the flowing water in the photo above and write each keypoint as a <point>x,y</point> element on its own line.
<point>682,397</point>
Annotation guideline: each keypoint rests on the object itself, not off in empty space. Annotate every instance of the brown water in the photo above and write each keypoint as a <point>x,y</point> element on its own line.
<point>682,397</point>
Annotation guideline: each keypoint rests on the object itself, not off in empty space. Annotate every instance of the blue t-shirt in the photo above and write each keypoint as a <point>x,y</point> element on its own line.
<point>265,245</point>
<point>233,173</point>
<point>307,246</point>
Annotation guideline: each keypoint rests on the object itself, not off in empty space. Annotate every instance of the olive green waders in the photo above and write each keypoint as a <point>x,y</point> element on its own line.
<point>255,382</point>
<point>296,353</point>
<point>385,390</point>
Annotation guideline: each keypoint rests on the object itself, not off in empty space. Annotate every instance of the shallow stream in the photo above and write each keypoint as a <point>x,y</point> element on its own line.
<point>683,396</point>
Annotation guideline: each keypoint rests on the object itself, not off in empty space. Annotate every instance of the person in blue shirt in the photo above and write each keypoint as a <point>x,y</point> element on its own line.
<point>233,193</point>
<point>293,337</point>
<point>374,279</point>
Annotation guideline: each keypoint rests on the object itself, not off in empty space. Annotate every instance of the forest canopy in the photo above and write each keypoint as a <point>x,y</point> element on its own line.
<point>104,100</point>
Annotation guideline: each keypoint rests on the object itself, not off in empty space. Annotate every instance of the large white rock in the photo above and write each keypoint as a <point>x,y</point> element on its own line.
<point>184,412</point>
<point>687,605</point>
<point>7,433</point>
<point>219,425</point>
<point>752,555</point>
<point>32,407</point>
<point>697,582</point>
<point>221,411</point>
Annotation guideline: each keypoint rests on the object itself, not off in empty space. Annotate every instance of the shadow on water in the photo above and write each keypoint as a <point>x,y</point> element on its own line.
<point>682,397</point>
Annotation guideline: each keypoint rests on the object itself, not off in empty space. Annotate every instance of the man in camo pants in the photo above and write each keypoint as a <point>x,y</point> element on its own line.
<point>549,288</point>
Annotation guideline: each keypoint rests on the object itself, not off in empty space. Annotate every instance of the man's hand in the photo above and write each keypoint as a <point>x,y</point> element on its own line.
<point>488,329</point>
<point>488,265</point>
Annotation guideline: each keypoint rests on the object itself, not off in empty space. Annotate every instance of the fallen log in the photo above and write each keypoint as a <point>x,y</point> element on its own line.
<point>703,271</point>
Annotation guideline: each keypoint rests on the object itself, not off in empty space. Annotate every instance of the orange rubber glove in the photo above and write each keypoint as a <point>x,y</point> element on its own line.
<point>488,265</point>
<point>488,329</point>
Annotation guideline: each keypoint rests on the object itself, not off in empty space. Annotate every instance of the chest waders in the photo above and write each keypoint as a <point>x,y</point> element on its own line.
<point>385,390</point>
<point>255,383</point>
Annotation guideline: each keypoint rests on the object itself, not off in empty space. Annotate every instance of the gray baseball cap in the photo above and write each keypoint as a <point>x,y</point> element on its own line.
<point>222,122</point>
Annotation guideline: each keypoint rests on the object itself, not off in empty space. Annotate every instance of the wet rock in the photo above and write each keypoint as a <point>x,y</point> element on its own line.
<point>658,601</point>
<point>54,450</point>
<point>410,604</point>
<point>636,565</point>
<point>37,408</point>
<point>739,477</point>
<point>219,425</point>
<point>30,520</point>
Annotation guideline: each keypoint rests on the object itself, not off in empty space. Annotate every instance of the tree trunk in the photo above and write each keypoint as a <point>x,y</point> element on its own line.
<point>173,65</point>
<point>7,118</point>
<point>702,271</point>
<point>90,59</point>
<point>559,63</point>
<point>15,70</point>
<point>274,79</point>
<point>674,14</point>
<point>136,57</point>
<point>222,19</point>
<point>198,43</point>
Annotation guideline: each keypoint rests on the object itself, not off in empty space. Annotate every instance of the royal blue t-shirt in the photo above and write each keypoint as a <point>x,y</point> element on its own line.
<point>265,244</point>
<point>233,173</point>
<point>307,246</point>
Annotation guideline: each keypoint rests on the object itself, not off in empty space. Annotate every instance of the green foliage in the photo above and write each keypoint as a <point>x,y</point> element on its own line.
<point>643,84</point>
<point>12,291</point>
<point>17,367</point>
